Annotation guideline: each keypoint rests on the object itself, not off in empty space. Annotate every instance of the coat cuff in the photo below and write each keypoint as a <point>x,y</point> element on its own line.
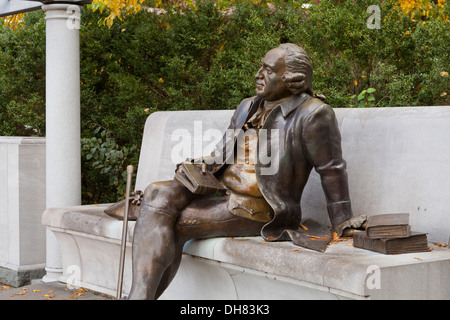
<point>339,212</point>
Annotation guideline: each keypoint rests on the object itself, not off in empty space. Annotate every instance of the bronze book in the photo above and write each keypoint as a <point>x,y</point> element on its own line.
<point>197,181</point>
<point>415,242</point>
<point>390,225</point>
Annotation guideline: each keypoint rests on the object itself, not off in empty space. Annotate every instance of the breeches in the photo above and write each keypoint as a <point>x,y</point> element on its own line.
<point>196,216</point>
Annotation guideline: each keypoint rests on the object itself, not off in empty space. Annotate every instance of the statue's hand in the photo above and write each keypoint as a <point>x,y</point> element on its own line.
<point>348,227</point>
<point>198,162</point>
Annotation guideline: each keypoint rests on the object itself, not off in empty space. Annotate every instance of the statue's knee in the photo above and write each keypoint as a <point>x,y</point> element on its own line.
<point>156,190</point>
<point>150,192</point>
<point>166,194</point>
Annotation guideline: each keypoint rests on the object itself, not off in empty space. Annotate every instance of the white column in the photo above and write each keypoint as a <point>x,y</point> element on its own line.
<point>63,164</point>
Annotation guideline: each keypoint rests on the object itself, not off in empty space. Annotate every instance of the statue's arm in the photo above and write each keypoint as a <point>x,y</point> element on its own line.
<point>322,141</point>
<point>225,147</point>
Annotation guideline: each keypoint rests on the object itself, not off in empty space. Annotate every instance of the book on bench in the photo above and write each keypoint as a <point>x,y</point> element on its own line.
<point>390,225</point>
<point>415,242</point>
<point>198,180</point>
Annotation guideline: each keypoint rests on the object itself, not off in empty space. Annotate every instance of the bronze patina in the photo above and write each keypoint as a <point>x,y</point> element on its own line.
<point>292,125</point>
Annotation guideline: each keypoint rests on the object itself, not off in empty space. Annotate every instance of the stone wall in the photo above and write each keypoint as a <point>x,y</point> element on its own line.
<point>22,201</point>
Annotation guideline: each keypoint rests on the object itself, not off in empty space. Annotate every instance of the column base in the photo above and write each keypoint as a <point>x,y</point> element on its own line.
<point>53,274</point>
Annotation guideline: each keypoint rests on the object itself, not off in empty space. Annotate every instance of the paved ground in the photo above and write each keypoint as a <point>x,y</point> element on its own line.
<point>38,290</point>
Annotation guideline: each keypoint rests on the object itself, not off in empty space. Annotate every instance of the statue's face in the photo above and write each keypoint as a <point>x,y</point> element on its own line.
<point>269,85</point>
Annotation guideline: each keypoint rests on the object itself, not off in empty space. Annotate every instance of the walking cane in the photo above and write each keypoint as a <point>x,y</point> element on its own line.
<point>124,232</point>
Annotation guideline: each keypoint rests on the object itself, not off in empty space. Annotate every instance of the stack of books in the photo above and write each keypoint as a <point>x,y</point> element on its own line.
<point>390,234</point>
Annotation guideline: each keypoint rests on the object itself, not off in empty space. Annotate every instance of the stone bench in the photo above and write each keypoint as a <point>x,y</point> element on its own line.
<point>397,162</point>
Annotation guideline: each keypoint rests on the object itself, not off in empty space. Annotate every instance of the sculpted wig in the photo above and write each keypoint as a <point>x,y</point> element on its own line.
<point>299,71</point>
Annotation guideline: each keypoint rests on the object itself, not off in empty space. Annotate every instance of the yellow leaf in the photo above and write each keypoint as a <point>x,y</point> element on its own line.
<point>36,290</point>
<point>355,82</point>
<point>303,227</point>
<point>441,245</point>
<point>160,80</point>
<point>335,236</point>
<point>49,295</point>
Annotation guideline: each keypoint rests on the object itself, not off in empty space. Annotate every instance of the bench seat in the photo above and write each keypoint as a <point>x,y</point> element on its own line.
<point>397,161</point>
<point>248,267</point>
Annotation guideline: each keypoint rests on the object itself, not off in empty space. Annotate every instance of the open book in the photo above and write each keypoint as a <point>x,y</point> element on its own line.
<point>197,180</point>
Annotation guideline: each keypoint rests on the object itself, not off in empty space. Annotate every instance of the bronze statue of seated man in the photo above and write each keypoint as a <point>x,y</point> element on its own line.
<point>285,120</point>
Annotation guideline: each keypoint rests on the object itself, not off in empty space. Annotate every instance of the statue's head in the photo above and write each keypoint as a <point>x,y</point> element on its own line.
<point>285,71</point>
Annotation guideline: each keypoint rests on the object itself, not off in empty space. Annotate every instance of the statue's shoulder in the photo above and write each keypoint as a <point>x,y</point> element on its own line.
<point>245,107</point>
<point>315,106</point>
<point>247,103</point>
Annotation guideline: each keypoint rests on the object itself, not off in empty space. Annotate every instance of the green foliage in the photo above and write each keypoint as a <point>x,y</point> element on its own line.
<point>106,161</point>
<point>365,97</point>
<point>22,78</point>
<point>198,57</point>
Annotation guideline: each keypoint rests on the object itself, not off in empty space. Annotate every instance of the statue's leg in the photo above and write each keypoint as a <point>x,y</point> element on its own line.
<point>206,217</point>
<point>154,243</point>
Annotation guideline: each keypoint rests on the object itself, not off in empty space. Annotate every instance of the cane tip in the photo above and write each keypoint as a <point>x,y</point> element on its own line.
<point>130,169</point>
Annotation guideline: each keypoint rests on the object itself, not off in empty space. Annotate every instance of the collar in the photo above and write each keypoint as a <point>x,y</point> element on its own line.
<point>288,106</point>
<point>269,105</point>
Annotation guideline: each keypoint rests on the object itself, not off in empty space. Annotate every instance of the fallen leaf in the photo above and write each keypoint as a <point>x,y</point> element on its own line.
<point>418,259</point>
<point>337,239</point>
<point>20,293</point>
<point>73,297</point>
<point>49,295</point>
<point>441,245</point>
<point>335,236</point>
<point>295,249</point>
<point>317,237</point>
<point>303,227</point>
<point>37,290</point>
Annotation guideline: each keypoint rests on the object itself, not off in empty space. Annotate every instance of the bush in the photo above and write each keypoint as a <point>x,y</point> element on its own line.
<point>197,57</point>
<point>22,78</point>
